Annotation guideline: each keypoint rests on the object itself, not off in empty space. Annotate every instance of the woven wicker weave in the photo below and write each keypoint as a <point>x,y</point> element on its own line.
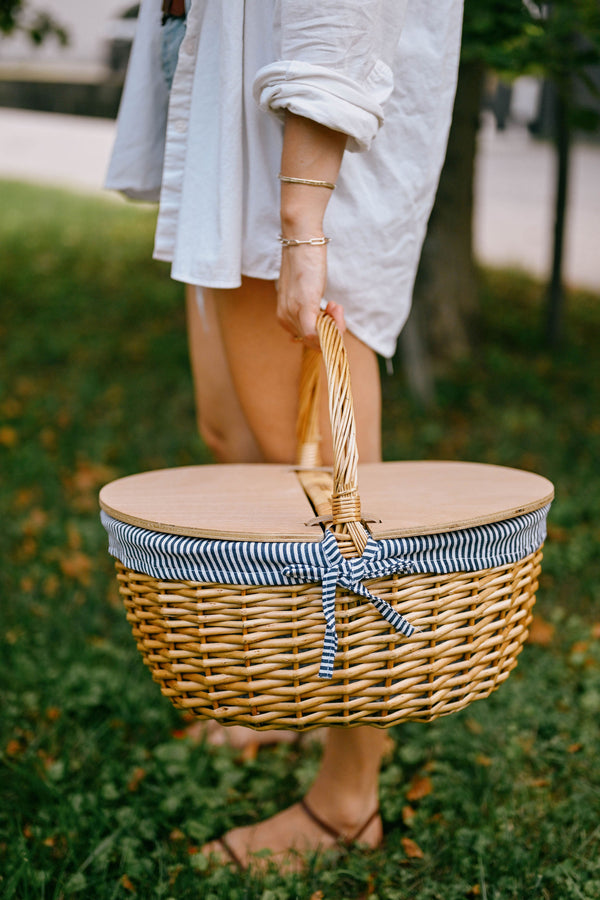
<point>250,655</point>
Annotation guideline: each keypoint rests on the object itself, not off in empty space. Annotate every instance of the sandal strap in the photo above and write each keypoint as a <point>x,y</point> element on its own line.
<point>334,832</point>
<point>364,827</point>
<point>328,829</point>
<point>231,853</point>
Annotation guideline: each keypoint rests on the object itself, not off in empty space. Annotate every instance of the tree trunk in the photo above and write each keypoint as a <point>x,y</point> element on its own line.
<point>562,140</point>
<point>445,298</point>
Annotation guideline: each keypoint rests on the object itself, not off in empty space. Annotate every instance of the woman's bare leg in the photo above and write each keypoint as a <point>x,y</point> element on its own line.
<point>264,366</point>
<point>265,370</point>
<point>226,433</point>
<point>221,422</point>
<point>344,796</point>
<point>246,372</point>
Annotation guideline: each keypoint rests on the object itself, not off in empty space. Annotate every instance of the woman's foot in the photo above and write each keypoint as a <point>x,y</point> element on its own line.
<point>291,835</point>
<point>236,736</point>
<point>241,738</point>
<point>340,808</point>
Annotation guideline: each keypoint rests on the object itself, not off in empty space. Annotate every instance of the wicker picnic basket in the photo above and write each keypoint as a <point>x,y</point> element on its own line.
<point>248,610</point>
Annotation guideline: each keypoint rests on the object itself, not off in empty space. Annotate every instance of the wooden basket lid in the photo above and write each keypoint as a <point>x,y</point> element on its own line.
<point>267,503</point>
<point>430,497</point>
<point>229,502</point>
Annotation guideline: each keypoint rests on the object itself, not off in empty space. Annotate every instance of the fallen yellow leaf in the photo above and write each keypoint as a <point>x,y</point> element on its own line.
<point>408,814</point>
<point>137,776</point>
<point>420,786</point>
<point>473,726</point>
<point>35,522</point>
<point>557,534</point>
<point>128,884</point>
<point>541,632</point>
<point>77,566</point>
<point>539,782</point>
<point>8,436</point>
<point>412,849</point>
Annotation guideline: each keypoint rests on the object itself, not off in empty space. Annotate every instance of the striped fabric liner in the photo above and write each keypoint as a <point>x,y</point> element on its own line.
<point>169,557</point>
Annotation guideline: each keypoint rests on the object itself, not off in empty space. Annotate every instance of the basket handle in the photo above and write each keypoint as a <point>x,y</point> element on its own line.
<point>345,500</point>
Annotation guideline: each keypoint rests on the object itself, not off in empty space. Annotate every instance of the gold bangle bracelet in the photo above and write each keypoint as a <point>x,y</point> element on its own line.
<point>287,179</point>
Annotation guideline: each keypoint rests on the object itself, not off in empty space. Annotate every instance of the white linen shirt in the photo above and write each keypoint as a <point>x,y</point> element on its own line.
<point>381,71</point>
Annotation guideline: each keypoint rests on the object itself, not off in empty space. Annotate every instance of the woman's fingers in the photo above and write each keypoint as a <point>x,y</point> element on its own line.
<point>300,290</point>
<point>336,311</point>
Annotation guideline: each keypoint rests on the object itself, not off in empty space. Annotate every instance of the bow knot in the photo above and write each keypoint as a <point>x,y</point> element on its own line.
<point>332,569</point>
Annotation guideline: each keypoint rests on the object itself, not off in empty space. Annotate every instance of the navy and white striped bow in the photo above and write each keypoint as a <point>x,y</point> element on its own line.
<point>332,569</point>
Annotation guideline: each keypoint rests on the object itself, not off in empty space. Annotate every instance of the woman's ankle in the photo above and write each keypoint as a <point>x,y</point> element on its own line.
<point>344,811</point>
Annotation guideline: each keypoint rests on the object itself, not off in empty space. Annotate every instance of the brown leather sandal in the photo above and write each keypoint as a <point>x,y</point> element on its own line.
<point>342,840</point>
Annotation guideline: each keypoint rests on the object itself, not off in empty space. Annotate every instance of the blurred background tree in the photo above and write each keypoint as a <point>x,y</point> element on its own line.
<point>18,16</point>
<point>558,42</point>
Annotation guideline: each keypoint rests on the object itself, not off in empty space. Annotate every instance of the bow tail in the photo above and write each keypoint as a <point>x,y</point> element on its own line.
<point>330,641</point>
<point>384,609</point>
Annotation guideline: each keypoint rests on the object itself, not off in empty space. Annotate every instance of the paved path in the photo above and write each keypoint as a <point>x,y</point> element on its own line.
<point>70,151</point>
<point>514,186</point>
<point>514,199</point>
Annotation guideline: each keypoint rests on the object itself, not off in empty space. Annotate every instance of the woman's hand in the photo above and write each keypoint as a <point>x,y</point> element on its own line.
<point>300,289</point>
<point>310,151</point>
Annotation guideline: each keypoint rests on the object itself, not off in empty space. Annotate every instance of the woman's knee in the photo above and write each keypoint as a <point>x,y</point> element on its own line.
<point>221,422</point>
<point>226,441</point>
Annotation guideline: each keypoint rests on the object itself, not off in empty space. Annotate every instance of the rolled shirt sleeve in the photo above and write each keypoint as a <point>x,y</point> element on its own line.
<point>334,65</point>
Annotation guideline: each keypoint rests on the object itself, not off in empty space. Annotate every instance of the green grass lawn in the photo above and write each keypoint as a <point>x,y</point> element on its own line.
<point>100,797</point>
